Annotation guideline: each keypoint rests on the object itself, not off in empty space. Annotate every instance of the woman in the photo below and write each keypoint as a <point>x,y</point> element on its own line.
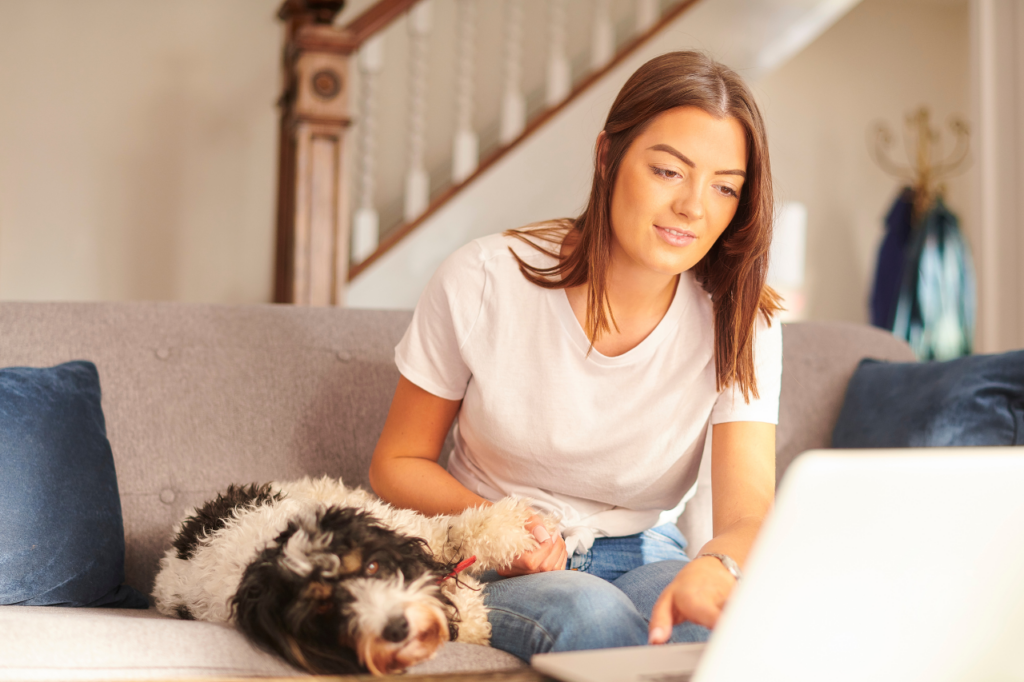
<point>586,361</point>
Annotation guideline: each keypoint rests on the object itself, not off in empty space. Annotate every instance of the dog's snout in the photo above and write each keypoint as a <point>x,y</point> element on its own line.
<point>397,629</point>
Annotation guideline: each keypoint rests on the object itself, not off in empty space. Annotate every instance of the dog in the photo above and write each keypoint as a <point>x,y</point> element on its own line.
<point>333,579</point>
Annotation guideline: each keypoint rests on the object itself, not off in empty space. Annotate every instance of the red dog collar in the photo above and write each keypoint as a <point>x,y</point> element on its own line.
<point>459,568</point>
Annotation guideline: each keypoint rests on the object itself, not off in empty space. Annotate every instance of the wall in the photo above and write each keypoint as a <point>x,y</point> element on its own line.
<point>137,141</point>
<point>138,149</point>
<point>878,63</point>
<point>997,40</point>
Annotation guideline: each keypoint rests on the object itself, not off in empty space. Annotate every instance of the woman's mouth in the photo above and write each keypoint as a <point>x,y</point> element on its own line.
<point>675,237</point>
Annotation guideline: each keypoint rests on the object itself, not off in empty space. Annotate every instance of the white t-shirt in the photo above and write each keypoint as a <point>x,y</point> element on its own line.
<point>607,444</point>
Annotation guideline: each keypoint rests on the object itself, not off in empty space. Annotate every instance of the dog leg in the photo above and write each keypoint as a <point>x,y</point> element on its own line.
<point>467,597</point>
<point>495,534</point>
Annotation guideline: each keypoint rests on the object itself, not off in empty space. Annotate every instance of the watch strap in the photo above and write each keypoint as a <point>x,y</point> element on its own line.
<point>728,562</point>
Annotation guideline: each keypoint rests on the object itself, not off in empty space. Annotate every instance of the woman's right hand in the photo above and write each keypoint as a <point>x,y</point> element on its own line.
<point>549,556</point>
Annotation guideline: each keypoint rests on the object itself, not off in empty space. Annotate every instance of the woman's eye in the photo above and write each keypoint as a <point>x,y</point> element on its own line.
<point>728,191</point>
<point>664,172</point>
<point>371,568</point>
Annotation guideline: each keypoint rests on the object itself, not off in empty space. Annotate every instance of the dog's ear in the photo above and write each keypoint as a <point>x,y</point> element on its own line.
<point>266,596</point>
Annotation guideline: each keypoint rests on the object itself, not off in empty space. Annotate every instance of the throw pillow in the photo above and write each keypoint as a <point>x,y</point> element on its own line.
<point>974,400</point>
<point>61,533</point>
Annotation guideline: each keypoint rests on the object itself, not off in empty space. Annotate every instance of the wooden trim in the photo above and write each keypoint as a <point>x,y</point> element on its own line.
<point>376,18</point>
<point>312,218</point>
<point>348,39</point>
<point>440,200</point>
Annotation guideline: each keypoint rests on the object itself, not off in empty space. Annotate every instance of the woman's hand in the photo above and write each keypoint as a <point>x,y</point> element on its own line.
<point>742,490</point>
<point>697,594</point>
<point>549,556</point>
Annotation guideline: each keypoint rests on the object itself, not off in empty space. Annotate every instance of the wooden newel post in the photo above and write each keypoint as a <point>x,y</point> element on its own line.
<point>313,221</point>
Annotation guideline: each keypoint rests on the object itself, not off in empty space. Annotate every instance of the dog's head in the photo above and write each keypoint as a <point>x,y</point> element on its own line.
<point>338,592</point>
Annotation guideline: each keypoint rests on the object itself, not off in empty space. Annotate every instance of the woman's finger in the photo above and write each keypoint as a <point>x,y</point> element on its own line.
<point>660,627</point>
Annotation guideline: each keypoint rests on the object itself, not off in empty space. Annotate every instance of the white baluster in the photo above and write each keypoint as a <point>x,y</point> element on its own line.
<point>417,182</point>
<point>559,73</point>
<point>466,146</point>
<point>602,46</point>
<point>513,104</point>
<point>646,14</point>
<point>366,224</point>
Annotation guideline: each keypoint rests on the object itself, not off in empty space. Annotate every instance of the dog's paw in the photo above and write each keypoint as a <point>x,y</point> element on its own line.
<point>496,534</point>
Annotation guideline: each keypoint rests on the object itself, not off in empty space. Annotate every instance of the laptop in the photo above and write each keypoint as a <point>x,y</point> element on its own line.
<point>874,565</point>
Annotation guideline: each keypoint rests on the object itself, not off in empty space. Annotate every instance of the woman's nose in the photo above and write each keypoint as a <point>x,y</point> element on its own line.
<point>690,201</point>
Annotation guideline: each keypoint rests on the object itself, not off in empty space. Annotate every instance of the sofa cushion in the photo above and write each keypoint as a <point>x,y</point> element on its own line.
<point>975,400</point>
<point>62,538</point>
<point>119,644</point>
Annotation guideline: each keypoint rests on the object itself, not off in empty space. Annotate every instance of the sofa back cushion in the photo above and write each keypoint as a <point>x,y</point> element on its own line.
<point>200,396</point>
<point>61,537</point>
<point>197,397</point>
<point>973,400</point>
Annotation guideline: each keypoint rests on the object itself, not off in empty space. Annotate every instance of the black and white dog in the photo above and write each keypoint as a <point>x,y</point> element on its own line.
<point>335,580</point>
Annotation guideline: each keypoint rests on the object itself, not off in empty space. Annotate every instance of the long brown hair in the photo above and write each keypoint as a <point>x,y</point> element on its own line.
<point>733,271</point>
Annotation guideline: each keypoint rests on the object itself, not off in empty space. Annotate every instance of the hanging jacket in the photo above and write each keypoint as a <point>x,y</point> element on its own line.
<point>936,308</point>
<point>892,257</point>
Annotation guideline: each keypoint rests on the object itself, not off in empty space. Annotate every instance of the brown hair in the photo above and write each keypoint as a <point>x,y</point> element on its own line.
<point>733,271</point>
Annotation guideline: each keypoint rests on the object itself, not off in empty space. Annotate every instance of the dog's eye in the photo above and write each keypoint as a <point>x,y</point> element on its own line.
<point>371,568</point>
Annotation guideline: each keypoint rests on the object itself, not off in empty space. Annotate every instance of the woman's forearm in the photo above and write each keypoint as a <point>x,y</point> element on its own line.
<point>736,540</point>
<point>421,484</point>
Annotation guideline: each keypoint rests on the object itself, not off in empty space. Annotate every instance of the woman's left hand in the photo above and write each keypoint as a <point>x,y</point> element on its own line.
<point>697,594</point>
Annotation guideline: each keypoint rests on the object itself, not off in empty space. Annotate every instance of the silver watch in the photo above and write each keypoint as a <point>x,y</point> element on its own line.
<point>729,564</point>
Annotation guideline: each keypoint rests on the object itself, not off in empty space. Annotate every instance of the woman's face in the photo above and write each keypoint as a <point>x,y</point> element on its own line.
<point>677,189</point>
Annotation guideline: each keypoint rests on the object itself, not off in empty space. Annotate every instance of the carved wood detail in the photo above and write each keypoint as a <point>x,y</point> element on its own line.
<point>313,223</point>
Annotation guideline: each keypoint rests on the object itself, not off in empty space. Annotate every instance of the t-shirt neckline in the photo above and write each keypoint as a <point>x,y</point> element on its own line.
<point>643,350</point>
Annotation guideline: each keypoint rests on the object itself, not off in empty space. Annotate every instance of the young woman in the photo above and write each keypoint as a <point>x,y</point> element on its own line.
<point>587,360</point>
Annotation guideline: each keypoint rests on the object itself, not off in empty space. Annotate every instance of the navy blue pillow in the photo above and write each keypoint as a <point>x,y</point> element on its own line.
<point>61,534</point>
<point>975,400</point>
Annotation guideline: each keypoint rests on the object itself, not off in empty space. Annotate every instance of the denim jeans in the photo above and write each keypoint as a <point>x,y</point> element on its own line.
<point>603,600</point>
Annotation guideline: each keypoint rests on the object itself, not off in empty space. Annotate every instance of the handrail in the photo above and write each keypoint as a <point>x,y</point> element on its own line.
<point>322,37</point>
<point>629,48</point>
<point>376,18</point>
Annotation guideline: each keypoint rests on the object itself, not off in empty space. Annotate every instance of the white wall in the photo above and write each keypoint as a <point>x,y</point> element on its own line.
<point>138,149</point>
<point>881,61</point>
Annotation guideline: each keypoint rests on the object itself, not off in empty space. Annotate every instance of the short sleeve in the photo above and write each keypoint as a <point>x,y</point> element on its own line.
<point>731,407</point>
<point>430,353</point>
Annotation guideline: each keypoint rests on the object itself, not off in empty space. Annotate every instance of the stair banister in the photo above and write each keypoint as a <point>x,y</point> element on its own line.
<point>313,205</point>
<point>329,227</point>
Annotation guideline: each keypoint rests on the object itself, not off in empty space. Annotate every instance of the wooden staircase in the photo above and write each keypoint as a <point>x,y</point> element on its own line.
<point>329,226</point>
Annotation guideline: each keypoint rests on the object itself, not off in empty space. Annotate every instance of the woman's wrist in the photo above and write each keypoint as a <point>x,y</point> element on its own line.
<point>727,562</point>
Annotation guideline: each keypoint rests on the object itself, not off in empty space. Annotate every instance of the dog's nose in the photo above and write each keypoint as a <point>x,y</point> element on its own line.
<point>397,629</point>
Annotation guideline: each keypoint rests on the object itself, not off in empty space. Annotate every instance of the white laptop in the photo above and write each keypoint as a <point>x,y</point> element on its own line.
<point>874,565</point>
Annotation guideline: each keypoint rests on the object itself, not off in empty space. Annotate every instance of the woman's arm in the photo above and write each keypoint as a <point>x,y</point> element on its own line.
<point>742,491</point>
<point>405,472</point>
<point>404,469</point>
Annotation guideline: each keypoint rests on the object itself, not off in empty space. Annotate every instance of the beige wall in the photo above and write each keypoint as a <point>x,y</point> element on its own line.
<point>882,60</point>
<point>137,143</point>
<point>138,138</point>
<point>137,149</point>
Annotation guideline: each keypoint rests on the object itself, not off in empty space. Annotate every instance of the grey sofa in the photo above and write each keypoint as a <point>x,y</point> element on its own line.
<point>200,396</point>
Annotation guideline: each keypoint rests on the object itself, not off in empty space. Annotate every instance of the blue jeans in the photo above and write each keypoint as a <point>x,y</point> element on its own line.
<point>604,599</point>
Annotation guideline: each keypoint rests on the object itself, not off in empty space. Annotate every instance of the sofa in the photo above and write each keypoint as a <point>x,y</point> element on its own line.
<point>199,396</point>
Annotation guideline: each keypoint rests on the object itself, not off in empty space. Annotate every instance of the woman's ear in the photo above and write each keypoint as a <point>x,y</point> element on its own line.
<point>601,152</point>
